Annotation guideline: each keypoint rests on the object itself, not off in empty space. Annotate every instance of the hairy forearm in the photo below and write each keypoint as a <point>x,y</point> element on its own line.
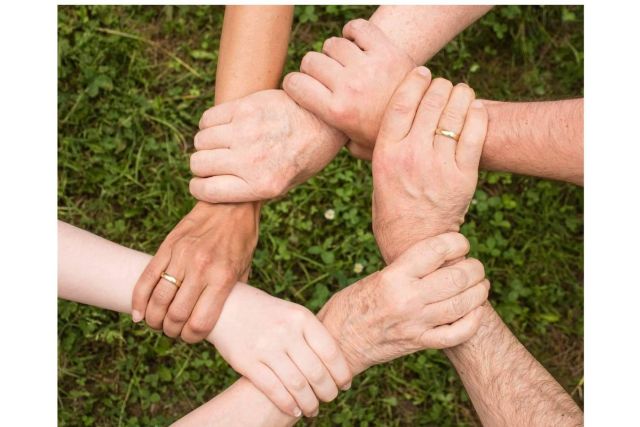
<point>507,385</point>
<point>543,139</point>
<point>253,48</point>
<point>421,31</point>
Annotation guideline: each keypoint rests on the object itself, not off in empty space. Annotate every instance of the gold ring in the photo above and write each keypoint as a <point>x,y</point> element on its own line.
<point>448,134</point>
<point>169,278</point>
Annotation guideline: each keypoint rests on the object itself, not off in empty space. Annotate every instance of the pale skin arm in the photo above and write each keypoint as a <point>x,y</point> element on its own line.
<point>95,271</point>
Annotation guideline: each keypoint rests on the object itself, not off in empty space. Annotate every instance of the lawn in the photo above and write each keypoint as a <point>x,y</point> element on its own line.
<point>132,84</point>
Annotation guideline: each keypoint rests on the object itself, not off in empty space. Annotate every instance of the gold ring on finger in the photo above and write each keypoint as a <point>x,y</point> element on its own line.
<point>448,134</point>
<point>169,278</point>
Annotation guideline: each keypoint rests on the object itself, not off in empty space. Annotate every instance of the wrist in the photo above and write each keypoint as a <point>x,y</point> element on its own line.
<point>489,335</point>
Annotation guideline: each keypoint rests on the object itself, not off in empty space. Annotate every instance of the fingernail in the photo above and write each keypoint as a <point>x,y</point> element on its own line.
<point>315,413</point>
<point>346,386</point>
<point>136,316</point>
<point>477,104</point>
<point>423,71</point>
<point>297,412</point>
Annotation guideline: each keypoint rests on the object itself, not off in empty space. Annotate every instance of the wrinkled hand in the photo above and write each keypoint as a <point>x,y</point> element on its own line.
<point>259,147</point>
<point>423,183</point>
<point>282,348</point>
<point>349,84</point>
<point>208,251</point>
<point>414,303</point>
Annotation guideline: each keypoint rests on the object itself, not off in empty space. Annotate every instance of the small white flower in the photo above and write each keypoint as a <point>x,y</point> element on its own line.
<point>329,214</point>
<point>357,268</point>
<point>474,201</point>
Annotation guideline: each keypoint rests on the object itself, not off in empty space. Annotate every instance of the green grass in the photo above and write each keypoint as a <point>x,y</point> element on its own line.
<point>133,82</point>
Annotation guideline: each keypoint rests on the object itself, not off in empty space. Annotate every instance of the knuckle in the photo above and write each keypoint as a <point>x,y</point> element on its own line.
<point>458,306</point>
<point>452,116</point>
<point>476,268</point>
<point>329,43</point>
<point>317,375</point>
<point>297,383</point>
<point>438,245</point>
<point>306,61</point>
<point>434,101</point>
<point>356,24</point>
<point>161,295</point>
<point>400,105</point>
<point>202,258</point>
<point>200,324</point>
<point>457,277</point>
<point>178,314</point>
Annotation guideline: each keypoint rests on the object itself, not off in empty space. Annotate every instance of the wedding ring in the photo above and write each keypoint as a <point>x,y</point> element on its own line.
<point>448,134</point>
<point>169,278</point>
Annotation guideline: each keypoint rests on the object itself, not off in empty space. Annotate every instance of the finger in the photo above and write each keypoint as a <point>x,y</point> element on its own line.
<point>208,163</point>
<point>452,280</point>
<point>326,348</point>
<point>222,189</point>
<point>322,68</point>
<point>183,303</point>
<point>268,383</point>
<point>458,306</point>
<point>342,50</point>
<point>309,93</point>
<point>430,110</point>
<point>147,281</point>
<point>429,254</point>
<point>213,137</point>
<point>218,115</point>
<point>401,109</point>
<point>451,335</point>
<point>359,151</point>
<point>472,137</point>
<point>365,34</point>
<point>314,371</point>
<point>295,383</point>
<point>452,119</point>
<point>164,292</point>
<point>207,310</point>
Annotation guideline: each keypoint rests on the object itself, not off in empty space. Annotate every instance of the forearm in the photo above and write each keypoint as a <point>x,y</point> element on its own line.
<point>421,31</point>
<point>253,48</point>
<point>95,271</point>
<point>506,384</point>
<point>242,404</point>
<point>543,139</point>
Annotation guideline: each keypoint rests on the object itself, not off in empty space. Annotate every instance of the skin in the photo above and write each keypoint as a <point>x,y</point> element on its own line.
<point>506,384</point>
<point>542,139</point>
<point>343,87</point>
<point>281,347</point>
<point>259,147</point>
<point>424,302</point>
<point>212,247</point>
<point>414,166</point>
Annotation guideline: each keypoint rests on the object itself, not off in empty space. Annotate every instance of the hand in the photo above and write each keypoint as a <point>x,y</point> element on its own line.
<point>349,84</point>
<point>208,251</point>
<point>423,183</point>
<point>413,304</point>
<point>259,147</point>
<point>282,348</point>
